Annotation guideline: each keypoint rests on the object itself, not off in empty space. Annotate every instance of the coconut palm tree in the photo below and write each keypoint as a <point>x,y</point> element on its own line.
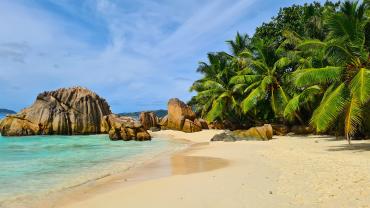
<point>262,79</point>
<point>240,43</point>
<point>346,76</point>
<point>215,98</point>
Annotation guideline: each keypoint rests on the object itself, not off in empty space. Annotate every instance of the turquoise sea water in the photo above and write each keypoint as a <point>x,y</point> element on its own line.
<point>37,165</point>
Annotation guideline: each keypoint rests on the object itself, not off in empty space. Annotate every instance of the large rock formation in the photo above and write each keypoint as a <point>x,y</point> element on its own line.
<point>148,120</point>
<point>180,117</point>
<point>65,111</point>
<point>124,128</point>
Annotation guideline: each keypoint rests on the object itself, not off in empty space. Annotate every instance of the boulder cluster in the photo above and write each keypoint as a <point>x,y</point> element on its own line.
<point>71,111</point>
<point>67,111</point>
<point>124,128</point>
<point>149,120</point>
<point>181,117</point>
<point>281,129</point>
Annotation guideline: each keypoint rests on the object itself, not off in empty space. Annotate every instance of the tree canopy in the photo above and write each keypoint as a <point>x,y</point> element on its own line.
<point>309,65</point>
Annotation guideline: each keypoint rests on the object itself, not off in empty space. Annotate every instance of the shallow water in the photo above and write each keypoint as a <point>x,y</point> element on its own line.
<point>37,165</point>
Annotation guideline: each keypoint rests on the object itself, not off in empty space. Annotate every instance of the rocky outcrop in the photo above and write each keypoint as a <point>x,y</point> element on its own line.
<point>201,122</point>
<point>300,129</point>
<point>225,136</point>
<point>66,111</point>
<point>216,125</point>
<point>280,129</point>
<point>124,128</point>
<point>178,112</point>
<point>163,122</point>
<point>263,133</point>
<point>180,117</point>
<point>190,126</point>
<point>148,120</point>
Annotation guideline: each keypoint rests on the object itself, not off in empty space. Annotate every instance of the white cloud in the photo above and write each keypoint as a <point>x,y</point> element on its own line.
<point>147,50</point>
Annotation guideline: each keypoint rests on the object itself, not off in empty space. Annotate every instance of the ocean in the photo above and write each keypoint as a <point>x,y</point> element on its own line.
<point>35,166</point>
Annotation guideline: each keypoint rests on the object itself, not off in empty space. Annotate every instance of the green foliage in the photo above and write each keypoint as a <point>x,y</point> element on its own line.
<point>310,63</point>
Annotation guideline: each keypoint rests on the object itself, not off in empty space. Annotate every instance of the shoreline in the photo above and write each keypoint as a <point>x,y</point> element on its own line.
<point>288,171</point>
<point>161,164</point>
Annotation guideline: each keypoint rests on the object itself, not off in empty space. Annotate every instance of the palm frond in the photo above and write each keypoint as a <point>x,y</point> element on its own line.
<point>245,79</point>
<point>279,99</point>
<point>330,108</point>
<point>282,62</point>
<point>353,118</point>
<point>251,100</point>
<point>216,110</point>
<point>301,99</point>
<point>313,76</point>
<point>311,44</point>
<point>360,86</point>
<point>251,86</point>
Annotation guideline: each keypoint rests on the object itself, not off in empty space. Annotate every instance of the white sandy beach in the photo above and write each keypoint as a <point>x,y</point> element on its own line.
<point>313,171</point>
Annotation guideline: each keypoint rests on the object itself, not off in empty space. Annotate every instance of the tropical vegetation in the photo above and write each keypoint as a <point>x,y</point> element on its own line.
<point>309,65</point>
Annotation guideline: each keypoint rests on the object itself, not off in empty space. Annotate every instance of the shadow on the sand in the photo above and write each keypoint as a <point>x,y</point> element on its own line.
<point>351,147</point>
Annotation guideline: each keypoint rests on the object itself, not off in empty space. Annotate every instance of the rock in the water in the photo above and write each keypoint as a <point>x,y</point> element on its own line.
<point>124,128</point>
<point>18,126</point>
<point>148,120</point>
<point>143,136</point>
<point>66,111</point>
<point>114,134</point>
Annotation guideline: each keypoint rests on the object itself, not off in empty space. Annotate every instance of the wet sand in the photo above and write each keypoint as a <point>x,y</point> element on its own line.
<point>304,171</point>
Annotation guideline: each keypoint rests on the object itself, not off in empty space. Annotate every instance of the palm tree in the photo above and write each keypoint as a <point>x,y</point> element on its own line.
<point>262,80</point>
<point>346,76</point>
<point>240,43</point>
<point>215,98</point>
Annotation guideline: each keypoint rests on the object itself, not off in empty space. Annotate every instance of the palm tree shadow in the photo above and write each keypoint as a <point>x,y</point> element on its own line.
<point>361,147</point>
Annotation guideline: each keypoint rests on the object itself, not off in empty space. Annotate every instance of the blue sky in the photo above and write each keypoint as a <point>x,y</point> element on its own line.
<point>135,53</point>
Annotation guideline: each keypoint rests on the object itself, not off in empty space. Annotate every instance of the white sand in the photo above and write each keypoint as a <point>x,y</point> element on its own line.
<point>284,172</point>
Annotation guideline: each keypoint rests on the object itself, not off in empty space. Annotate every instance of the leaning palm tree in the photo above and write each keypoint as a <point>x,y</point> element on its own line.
<point>346,76</point>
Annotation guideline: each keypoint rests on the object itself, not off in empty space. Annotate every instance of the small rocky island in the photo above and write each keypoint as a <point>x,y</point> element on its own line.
<point>70,111</point>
